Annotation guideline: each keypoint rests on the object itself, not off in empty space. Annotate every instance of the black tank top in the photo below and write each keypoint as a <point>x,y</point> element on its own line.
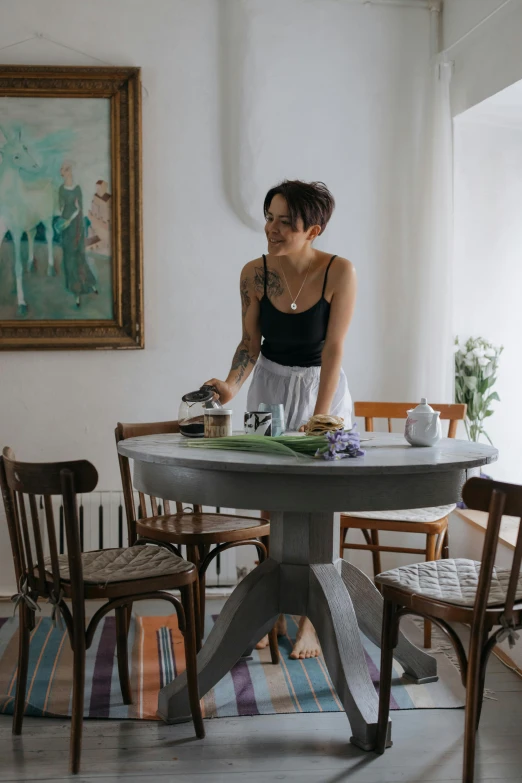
<point>294,340</point>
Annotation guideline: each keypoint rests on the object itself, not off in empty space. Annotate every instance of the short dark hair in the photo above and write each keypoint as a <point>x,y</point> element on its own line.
<point>310,201</point>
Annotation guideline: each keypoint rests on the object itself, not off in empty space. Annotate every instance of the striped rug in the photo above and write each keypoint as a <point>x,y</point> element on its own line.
<point>254,687</point>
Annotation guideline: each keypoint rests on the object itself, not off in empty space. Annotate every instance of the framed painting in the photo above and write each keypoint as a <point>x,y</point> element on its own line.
<point>70,208</point>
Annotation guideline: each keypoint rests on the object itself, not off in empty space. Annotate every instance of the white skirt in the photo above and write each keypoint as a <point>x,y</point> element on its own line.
<point>296,388</point>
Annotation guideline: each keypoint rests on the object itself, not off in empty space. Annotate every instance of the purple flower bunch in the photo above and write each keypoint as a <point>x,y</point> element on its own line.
<point>341,444</point>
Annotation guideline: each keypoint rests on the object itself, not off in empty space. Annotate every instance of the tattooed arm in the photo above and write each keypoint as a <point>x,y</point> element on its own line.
<point>248,349</point>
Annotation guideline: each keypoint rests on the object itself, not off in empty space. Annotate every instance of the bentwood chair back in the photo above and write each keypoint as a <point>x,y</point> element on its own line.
<point>121,576</point>
<point>205,535</point>
<point>431,522</point>
<point>487,598</point>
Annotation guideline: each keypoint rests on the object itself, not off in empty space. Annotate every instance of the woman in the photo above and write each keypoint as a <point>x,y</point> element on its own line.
<point>300,302</point>
<point>79,278</point>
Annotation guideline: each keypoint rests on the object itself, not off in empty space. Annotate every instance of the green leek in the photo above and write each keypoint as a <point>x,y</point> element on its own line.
<point>289,445</point>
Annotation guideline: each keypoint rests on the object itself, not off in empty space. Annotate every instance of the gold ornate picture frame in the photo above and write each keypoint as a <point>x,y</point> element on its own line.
<point>71,273</point>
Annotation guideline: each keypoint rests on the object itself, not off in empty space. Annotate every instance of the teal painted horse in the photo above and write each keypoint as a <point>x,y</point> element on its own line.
<point>27,198</point>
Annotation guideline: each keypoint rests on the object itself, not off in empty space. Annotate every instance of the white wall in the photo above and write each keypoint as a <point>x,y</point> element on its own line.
<point>237,100</point>
<point>487,269</point>
<point>241,93</point>
<point>490,58</point>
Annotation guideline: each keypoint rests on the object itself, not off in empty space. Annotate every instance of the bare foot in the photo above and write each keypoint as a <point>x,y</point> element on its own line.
<point>281,631</point>
<point>306,642</point>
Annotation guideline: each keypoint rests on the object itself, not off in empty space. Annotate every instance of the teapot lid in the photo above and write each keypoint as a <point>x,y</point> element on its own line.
<point>205,394</point>
<point>423,407</point>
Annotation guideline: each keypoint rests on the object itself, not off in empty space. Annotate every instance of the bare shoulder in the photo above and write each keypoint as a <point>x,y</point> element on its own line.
<point>252,281</point>
<point>252,268</point>
<point>342,278</point>
<point>342,269</point>
<point>341,275</point>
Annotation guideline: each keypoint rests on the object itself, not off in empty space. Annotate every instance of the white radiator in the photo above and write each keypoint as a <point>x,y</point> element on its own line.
<point>103,525</point>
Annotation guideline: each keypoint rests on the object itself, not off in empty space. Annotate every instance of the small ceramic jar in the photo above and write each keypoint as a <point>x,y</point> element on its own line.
<point>218,422</point>
<point>423,425</point>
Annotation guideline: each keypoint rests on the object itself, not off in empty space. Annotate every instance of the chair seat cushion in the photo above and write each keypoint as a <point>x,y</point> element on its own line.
<point>123,565</point>
<point>451,581</point>
<point>431,514</point>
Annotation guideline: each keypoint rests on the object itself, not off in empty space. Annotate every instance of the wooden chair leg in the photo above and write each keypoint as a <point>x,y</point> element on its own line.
<point>480,691</point>
<point>376,556</point>
<point>199,640</point>
<point>202,587</point>
<point>199,594</point>
<point>272,636</point>
<point>187,598</point>
<point>23,662</point>
<point>344,533</point>
<point>388,642</point>
<point>274,646</point>
<point>431,544</point>
<point>472,707</point>
<point>445,545</point>
<point>77,701</point>
<point>122,653</point>
<point>128,616</point>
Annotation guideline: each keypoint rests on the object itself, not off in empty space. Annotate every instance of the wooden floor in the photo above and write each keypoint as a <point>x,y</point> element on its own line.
<point>295,748</point>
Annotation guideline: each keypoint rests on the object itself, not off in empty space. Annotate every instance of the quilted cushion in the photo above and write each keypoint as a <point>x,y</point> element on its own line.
<point>451,581</point>
<point>431,514</point>
<point>122,565</point>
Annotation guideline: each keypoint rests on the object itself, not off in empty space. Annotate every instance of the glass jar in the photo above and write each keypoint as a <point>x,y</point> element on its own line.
<point>192,409</point>
<point>218,422</point>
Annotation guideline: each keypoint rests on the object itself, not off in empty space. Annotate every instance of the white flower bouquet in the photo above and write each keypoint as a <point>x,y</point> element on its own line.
<point>476,363</point>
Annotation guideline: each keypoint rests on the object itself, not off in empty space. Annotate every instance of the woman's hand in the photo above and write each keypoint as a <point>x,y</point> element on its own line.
<point>225,391</point>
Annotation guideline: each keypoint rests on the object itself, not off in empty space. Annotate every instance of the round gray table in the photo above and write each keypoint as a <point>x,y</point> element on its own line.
<point>304,574</point>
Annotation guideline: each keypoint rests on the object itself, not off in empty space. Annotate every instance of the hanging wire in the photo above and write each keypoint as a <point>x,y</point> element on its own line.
<point>44,37</point>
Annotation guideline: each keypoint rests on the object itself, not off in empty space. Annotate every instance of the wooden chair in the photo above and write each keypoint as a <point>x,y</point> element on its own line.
<point>431,522</point>
<point>192,528</point>
<point>459,591</point>
<point>120,576</point>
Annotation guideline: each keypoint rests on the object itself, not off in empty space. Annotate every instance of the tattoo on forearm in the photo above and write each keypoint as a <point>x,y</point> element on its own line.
<point>274,285</point>
<point>245,296</point>
<point>241,361</point>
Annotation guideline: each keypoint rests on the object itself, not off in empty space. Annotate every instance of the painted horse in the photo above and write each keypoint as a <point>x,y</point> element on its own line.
<point>27,198</point>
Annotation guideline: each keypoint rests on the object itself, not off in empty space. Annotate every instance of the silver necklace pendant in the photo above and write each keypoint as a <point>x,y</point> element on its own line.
<point>293,306</point>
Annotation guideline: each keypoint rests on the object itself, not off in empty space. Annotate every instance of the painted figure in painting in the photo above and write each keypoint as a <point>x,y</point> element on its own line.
<point>79,278</point>
<point>55,209</point>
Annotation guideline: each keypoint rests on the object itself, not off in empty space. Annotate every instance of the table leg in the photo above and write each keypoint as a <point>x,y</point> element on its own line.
<point>304,576</point>
<point>249,613</point>
<point>330,610</point>
<point>367,602</point>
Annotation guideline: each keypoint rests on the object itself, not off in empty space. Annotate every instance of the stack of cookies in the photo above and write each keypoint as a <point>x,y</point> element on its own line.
<point>322,423</point>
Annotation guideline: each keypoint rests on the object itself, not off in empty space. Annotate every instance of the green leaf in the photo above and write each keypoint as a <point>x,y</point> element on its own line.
<point>482,385</point>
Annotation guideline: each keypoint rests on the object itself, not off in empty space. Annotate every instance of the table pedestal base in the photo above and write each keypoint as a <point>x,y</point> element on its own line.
<point>300,578</point>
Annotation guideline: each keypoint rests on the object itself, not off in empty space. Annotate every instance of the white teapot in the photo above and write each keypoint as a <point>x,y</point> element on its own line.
<point>423,425</point>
